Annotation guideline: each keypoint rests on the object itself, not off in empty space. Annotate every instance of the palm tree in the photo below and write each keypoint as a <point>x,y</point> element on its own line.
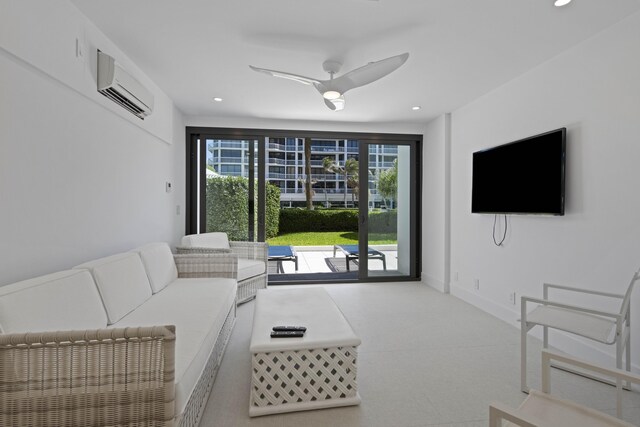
<point>349,171</point>
<point>307,170</point>
<point>327,165</point>
<point>351,177</point>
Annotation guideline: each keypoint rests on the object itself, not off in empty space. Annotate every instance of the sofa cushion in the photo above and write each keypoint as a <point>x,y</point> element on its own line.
<point>207,240</point>
<point>159,264</point>
<point>198,308</point>
<point>249,268</point>
<point>65,300</point>
<point>122,283</point>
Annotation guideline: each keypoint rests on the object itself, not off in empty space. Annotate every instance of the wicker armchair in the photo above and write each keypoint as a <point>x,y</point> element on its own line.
<point>231,257</point>
<point>75,378</point>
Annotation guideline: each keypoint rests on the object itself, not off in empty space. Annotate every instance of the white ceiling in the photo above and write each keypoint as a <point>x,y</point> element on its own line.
<point>460,49</point>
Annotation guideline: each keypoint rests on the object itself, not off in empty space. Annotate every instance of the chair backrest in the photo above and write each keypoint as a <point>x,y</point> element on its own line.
<point>215,240</point>
<point>624,309</point>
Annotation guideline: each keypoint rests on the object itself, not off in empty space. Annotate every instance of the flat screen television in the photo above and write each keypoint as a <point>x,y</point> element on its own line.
<point>522,177</point>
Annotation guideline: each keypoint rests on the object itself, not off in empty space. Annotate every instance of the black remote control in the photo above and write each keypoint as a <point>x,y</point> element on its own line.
<point>287,334</point>
<point>290,328</point>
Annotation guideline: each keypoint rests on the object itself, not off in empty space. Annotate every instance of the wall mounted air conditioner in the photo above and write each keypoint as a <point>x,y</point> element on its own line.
<point>118,85</point>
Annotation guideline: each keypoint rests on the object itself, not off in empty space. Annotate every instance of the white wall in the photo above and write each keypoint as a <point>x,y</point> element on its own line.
<point>594,91</point>
<point>435,203</point>
<point>80,177</point>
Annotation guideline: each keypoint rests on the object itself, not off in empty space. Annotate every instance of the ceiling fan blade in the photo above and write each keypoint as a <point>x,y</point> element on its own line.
<point>329,104</point>
<point>284,75</point>
<point>335,104</point>
<point>368,73</point>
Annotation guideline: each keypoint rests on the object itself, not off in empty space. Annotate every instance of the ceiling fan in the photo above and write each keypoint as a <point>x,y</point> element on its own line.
<point>333,90</point>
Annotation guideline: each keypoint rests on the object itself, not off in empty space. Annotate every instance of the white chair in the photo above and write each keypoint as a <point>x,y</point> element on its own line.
<point>541,409</point>
<point>245,261</point>
<point>601,326</point>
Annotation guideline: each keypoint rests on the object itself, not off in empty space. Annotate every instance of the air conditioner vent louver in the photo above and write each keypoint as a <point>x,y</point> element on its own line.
<point>115,96</point>
<point>122,88</point>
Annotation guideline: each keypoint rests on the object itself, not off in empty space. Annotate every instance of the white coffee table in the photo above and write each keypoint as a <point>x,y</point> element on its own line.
<point>299,374</point>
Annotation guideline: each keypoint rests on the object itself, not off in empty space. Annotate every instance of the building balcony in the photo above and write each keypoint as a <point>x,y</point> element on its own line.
<point>232,160</point>
<point>227,144</point>
<point>275,161</point>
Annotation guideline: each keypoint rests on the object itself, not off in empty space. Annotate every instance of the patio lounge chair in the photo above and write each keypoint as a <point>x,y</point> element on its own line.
<point>351,252</point>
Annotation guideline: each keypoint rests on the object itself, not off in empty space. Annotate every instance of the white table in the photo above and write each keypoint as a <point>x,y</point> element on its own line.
<point>299,374</point>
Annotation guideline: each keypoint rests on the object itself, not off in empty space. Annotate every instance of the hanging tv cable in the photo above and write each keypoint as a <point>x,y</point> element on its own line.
<point>504,236</point>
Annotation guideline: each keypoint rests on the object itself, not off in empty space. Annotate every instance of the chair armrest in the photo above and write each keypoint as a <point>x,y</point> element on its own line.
<point>618,374</point>
<point>251,250</point>
<point>499,411</point>
<point>525,299</point>
<point>89,375</point>
<point>201,250</point>
<point>546,286</point>
<point>197,265</point>
<point>548,356</point>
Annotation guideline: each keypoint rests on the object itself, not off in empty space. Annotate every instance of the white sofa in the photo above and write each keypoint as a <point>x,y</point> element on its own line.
<point>121,340</point>
<point>245,261</point>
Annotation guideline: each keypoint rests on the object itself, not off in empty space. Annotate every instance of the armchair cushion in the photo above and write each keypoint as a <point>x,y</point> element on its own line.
<point>207,240</point>
<point>64,300</point>
<point>122,283</point>
<point>249,268</point>
<point>159,264</point>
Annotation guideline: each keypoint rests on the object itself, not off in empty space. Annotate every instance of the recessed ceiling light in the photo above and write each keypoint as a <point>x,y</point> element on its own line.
<point>559,3</point>
<point>217,99</point>
<point>416,108</point>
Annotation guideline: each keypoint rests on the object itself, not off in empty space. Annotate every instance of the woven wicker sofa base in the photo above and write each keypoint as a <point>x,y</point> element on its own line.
<point>301,380</point>
<point>198,400</point>
<point>248,288</point>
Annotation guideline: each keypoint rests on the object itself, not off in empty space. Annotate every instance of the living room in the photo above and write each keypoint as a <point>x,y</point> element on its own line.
<point>82,178</point>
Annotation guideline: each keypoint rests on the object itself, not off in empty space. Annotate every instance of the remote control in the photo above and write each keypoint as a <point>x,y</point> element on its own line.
<point>287,334</point>
<point>290,328</point>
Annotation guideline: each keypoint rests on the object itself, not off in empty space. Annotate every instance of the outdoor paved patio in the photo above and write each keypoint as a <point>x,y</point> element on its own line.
<point>312,259</point>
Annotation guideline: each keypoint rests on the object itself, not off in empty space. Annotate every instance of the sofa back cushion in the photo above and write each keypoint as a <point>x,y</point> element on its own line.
<point>66,300</point>
<point>207,240</point>
<point>159,265</point>
<point>122,283</point>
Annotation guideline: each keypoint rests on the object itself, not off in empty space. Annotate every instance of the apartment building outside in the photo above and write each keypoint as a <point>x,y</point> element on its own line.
<point>285,165</point>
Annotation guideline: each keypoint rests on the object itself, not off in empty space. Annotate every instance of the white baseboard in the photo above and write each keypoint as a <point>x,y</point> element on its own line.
<point>565,342</point>
<point>434,283</point>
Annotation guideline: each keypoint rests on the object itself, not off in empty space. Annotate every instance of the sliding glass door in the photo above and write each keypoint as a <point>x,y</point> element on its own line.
<point>227,187</point>
<point>388,210</point>
<point>332,206</point>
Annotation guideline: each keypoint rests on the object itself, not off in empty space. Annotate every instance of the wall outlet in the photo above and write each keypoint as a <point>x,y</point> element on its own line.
<point>476,284</point>
<point>79,48</point>
<point>512,298</point>
<point>177,209</point>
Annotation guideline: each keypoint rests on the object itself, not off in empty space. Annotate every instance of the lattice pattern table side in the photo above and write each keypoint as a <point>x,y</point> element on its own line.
<point>303,376</point>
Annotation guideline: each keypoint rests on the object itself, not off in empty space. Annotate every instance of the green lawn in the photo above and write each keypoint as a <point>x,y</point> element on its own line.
<point>324,238</point>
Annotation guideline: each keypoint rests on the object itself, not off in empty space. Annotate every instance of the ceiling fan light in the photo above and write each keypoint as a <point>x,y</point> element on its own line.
<point>559,3</point>
<point>331,95</point>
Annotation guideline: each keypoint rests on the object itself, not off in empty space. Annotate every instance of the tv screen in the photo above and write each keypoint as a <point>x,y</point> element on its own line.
<point>522,177</point>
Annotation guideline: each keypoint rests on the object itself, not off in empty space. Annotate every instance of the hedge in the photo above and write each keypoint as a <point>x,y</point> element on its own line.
<point>272,208</point>
<point>228,210</point>
<point>303,220</point>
